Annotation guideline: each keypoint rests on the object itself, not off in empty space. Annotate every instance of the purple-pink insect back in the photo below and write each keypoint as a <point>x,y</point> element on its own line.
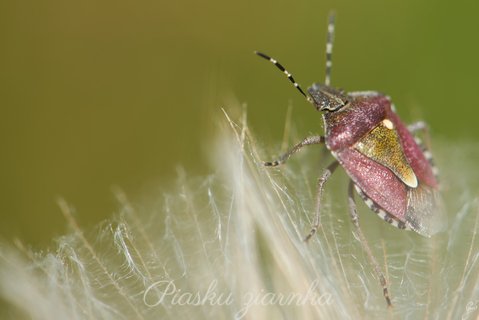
<point>387,165</point>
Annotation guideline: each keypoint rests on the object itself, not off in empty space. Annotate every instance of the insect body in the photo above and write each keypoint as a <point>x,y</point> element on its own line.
<point>391,172</point>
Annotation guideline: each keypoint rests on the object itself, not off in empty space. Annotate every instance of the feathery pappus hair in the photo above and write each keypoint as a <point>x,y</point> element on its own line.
<point>229,246</point>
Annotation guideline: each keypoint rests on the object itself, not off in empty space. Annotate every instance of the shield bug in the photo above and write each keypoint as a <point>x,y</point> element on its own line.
<point>386,164</point>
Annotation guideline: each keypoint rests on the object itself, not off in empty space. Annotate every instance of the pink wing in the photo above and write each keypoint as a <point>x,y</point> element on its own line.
<point>416,208</point>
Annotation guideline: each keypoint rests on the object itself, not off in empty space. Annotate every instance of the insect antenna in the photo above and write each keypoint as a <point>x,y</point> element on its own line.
<point>280,67</point>
<point>329,48</point>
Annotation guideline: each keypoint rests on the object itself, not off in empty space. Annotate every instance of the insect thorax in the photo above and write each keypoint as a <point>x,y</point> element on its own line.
<point>347,125</point>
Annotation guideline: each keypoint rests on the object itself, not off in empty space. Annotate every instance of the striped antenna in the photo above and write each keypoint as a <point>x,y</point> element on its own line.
<point>329,49</point>
<point>280,67</point>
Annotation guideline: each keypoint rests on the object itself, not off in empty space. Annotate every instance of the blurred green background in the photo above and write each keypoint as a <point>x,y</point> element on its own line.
<point>96,94</point>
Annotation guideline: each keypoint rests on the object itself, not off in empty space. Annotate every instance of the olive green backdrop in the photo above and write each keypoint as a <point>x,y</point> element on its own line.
<point>95,94</point>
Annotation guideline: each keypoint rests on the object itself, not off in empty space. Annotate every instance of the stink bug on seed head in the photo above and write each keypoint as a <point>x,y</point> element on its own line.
<point>387,166</point>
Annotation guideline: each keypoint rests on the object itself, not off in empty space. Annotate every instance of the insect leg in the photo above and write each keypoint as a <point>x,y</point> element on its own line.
<point>306,142</point>
<point>364,243</point>
<point>418,126</point>
<point>426,146</point>
<point>424,128</point>
<point>317,218</point>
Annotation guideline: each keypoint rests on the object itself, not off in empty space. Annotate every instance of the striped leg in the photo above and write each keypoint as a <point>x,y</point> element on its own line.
<point>418,126</point>
<point>317,218</point>
<point>364,243</point>
<point>426,146</point>
<point>424,128</point>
